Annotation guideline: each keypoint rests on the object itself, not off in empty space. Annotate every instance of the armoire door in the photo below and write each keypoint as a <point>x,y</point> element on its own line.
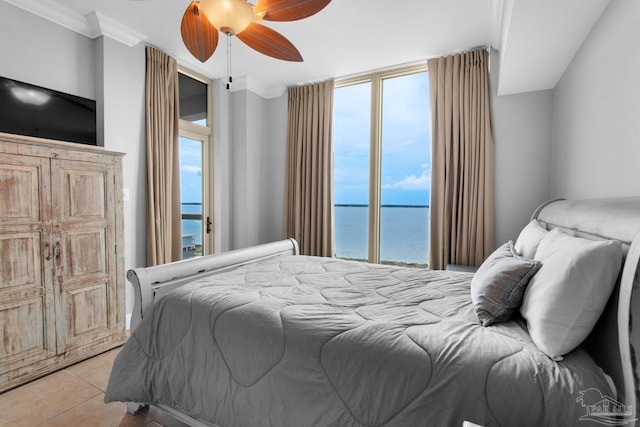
<point>27,316</point>
<point>84,253</point>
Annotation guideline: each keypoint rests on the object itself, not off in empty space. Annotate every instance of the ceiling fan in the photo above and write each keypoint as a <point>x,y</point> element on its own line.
<point>203,19</point>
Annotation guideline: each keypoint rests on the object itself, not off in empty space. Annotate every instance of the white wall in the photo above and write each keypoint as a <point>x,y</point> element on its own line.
<point>222,168</point>
<point>273,171</point>
<point>596,130</point>
<point>258,150</point>
<point>522,126</point>
<point>120,76</point>
<point>36,51</point>
<point>244,173</point>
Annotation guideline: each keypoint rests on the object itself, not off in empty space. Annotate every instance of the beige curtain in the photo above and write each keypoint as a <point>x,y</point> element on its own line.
<point>164,242</point>
<point>462,161</point>
<point>308,211</point>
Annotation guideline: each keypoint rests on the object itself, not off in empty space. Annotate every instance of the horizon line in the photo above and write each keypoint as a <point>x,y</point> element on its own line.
<point>342,205</point>
<point>356,205</point>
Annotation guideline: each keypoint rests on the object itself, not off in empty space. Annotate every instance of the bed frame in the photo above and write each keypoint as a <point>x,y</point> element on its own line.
<point>152,283</point>
<point>614,343</point>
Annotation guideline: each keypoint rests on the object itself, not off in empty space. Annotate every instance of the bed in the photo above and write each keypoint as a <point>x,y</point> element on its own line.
<point>264,336</point>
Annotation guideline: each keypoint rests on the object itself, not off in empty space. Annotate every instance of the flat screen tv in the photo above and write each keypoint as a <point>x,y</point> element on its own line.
<point>26,109</point>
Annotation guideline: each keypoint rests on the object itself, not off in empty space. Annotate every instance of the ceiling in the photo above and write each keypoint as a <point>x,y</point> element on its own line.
<point>536,38</point>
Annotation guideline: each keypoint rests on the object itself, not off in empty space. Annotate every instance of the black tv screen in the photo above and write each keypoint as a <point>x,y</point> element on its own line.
<point>26,109</point>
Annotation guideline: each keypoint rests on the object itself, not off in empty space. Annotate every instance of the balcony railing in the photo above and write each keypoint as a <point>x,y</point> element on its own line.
<point>192,229</point>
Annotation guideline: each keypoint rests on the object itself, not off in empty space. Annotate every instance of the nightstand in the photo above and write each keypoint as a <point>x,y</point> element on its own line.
<point>462,268</point>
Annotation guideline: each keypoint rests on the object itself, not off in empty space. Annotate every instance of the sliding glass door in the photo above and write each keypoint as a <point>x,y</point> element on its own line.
<point>191,189</point>
<point>196,160</point>
<point>382,167</point>
<point>352,105</point>
<point>405,170</point>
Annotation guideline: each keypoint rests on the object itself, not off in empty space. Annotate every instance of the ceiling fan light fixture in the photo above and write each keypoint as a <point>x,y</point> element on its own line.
<point>229,16</point>
<point>204,18</point>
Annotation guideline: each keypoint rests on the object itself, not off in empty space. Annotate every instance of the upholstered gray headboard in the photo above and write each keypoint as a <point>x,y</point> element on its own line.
<point>615,341</point>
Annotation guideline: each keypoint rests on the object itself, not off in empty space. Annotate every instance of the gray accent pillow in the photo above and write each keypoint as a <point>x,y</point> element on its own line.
<point>498,286</point>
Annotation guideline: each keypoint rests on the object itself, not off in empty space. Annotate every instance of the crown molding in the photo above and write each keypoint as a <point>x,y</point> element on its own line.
<point>102,25</point>
<point>56,13</point>
<point>92,25</point>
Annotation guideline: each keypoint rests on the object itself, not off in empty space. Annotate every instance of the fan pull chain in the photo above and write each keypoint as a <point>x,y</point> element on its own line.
<point>229,79</point>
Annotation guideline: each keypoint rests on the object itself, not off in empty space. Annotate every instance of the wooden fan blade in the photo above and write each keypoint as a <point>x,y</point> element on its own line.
<point>269,42</point>
<point>198,35</point>
<point>288,10</point>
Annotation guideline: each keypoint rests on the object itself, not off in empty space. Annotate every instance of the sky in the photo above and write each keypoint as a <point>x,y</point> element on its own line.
<point>406,139</point>
<point>191,170</point>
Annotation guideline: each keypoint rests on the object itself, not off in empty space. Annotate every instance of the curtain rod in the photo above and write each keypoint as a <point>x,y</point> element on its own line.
<point>471,49</point>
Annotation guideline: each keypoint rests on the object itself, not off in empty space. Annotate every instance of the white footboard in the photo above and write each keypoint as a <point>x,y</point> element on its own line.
<point>151,283</point>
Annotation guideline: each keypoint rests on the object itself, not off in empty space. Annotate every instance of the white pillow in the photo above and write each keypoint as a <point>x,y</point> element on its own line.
<point>566,297</point>
<point>529,239</point>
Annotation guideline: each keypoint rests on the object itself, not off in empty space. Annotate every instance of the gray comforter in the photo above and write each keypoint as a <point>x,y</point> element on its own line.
<point>305,341</point>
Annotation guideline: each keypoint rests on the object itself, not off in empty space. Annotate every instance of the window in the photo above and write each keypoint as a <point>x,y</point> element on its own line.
<point>196,185</point>
<point>382,167</point>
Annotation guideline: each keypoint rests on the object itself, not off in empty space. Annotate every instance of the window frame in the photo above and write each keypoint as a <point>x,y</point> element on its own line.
<point>202,133</point>
<point>376,79</point>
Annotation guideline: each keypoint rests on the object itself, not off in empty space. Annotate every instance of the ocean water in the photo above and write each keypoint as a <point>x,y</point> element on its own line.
<point>404,233</point>
<point>190,226</point>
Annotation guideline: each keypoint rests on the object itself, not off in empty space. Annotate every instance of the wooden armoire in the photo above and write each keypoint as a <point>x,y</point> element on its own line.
<point>61,255</point>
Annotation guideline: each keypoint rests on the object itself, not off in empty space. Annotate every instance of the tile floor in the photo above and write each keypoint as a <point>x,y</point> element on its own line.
<point>74,397</point>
